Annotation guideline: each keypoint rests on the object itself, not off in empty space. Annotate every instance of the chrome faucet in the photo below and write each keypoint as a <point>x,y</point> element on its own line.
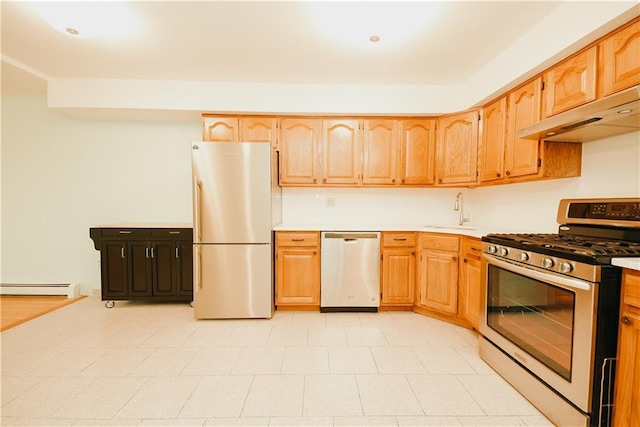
<point>459,206</point>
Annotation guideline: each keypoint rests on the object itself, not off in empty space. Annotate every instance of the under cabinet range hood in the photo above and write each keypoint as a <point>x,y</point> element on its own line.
<point>612,115</point>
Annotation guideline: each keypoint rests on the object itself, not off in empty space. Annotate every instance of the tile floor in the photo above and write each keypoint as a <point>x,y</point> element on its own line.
<point>153,364</point>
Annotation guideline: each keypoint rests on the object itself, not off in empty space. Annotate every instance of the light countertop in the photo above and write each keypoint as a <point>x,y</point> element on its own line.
<point>446,228</point>
<point>146,225</point>
<point>632,263</point>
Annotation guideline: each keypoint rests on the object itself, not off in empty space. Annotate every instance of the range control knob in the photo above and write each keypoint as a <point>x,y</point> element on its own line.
<point>565,267</point>
<point>504,251</point>
<point>492,249</point>
<point>523,256</point>
<point>547,262</point>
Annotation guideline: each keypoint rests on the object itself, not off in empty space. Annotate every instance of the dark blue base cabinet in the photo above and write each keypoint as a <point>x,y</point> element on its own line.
<point>145,263</point>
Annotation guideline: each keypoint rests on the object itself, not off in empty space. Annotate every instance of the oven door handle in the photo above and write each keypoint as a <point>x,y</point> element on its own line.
<point>546,277</point>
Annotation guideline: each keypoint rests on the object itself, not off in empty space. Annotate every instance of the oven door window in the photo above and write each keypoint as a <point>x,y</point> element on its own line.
<point>536,316</point>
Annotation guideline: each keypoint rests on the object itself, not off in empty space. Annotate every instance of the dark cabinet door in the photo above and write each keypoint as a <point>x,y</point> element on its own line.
<point>164,282</point>
<point>140,274</point>
<point>184,270</point>
<point>114,271</point>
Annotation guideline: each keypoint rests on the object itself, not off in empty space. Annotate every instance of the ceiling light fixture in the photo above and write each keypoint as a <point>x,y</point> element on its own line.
<point>625,111</point>
<point>360,25</point>
<point>89,19</point>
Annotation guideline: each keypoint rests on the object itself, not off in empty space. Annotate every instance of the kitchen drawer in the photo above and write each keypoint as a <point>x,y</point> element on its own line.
<point>631,282</point>
<point>174,233</point>
<point>472,246</point>
<point>398,239</point>
<point>126,232</point>
<point>299,238</point>
<point>439,242</point>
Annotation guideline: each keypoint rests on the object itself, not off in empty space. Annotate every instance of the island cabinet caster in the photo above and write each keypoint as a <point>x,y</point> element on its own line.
<point>110,304</point>
<point>191,303</point>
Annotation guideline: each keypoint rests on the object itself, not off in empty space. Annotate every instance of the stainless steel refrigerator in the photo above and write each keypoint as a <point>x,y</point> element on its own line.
<point>236,204</point>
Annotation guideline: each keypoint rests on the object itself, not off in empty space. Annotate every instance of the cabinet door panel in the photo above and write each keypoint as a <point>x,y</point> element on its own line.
<point>398,276</point>
<point>494,137</point>
<point>114,270</point>
<point>470,290</point>
<point>621,59</point>
<point>298,276</point>
<point>299,151</point>
<point>439,281</point>
<point>380,163</point>
<point>341,152</point>
<point>571,83</point>
<point>220,129</point>
<point>163,269</point>
<point>457,152</point>
<point>259,129</point>
<point>524,109</point>
<point>184,270</point>
<point>418,152</point>
<point>140,276</point>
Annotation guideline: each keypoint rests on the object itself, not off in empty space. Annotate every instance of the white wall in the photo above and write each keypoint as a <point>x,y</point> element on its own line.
<point>61,175</point>
<point>610,168</point>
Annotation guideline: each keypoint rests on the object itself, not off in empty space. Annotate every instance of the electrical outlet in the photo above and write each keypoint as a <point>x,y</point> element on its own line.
<point>330,202</point>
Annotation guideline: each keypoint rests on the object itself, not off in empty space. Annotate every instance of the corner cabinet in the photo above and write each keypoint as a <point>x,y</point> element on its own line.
<point>398,270</point>
<point>145,263</point>
<point>457,148</point>
<point>626,405</point>
<point>298,270</point>
<point>438,274</point>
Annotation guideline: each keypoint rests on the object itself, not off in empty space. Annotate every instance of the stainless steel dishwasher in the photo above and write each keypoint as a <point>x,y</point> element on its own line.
<point>350,271</point>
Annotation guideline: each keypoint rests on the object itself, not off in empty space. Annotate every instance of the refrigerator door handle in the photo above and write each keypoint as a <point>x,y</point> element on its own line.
<point>197,275</point>
<point>196,209</point>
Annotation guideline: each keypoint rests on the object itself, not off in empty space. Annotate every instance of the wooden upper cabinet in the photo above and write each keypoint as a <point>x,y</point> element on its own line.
<point>494,138</point>
<point>521,155</point>
<point>220,129</point>
<point>620,59</point>
<point>417,151</point>
<point>571,83</point>
<point>299,151</point>
<point>259,129</point>
<point>457,152</point>
<point>341,148</point>
<point>380,152</point>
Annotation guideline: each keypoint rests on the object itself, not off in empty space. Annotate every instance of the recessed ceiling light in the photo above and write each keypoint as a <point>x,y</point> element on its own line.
<point>374,39</point>
<point>89,19</point>
<point>625,111</point>
<point>550,133</point>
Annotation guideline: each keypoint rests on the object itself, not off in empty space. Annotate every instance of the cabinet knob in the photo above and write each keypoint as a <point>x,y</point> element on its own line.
<point>626,320</point>
<point>454,258</point>
<point>440,181</point>
<point>507,173</point>
<point>324,180</point>
<point>393,181</point>
<point>403,180</point>
<point>498,175</point>
<point>315,180</point>
<point>464,260</point>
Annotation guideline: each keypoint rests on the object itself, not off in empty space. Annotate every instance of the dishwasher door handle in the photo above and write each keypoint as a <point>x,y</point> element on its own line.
<point>350,236</point>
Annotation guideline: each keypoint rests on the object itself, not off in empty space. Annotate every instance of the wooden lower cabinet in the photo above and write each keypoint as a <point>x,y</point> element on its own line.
<point>470,281</point>
<point>398,270</point>
<point>297,270</point>
<point>145,263</point>
<point>438,274</point>
<point>626,405</point>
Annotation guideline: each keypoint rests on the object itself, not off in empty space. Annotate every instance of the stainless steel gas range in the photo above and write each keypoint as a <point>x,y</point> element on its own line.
<point>550,308</point>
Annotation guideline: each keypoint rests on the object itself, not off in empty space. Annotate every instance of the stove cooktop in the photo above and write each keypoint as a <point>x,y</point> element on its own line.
<point>588,249</point>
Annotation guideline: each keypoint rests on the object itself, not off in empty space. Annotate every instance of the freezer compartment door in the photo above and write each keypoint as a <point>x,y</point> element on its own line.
<point>233,281</point>
<point>231,192</point>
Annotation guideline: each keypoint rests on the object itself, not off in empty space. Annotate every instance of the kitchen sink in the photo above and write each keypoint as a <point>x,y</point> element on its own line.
<point>456,227</point>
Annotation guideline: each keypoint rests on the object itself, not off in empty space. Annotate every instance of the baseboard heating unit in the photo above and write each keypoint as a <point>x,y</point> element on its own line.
<point>66,289</point>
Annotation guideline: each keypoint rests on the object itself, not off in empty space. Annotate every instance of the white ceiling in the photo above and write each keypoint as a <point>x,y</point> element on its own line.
<point>268,42</point>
